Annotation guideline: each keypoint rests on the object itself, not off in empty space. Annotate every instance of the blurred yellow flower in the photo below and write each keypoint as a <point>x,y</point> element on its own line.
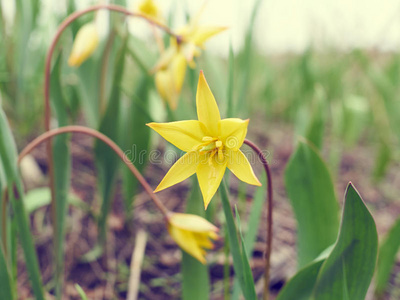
<point>169,79</point>
<point>212,145</point>
<point>149,9</point>
<point>171,67</point>
<point>192,233</point>
<point>86,42</point>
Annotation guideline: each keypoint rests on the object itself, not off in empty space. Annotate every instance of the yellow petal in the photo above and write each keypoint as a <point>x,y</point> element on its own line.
<point>203,33</point>
<point>186,240</point>
<point>178,70</point>
<point>210,176</point>
<point>165,87</point>
<point>233,132</point>
<point>86,42</point>
<point>182,169</point>
<point>207,109</point>
<point>240,166</point>
<point>203,240</point>
<point>165,59</point>
<point>191,222</point>
<point>148,8</point>
<point>186,135</point>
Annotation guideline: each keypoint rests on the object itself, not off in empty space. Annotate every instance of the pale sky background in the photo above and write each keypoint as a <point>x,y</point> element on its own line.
<point>281,26</point>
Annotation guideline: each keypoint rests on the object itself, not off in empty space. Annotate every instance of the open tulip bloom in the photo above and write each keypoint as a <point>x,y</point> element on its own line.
<point>212,145</point>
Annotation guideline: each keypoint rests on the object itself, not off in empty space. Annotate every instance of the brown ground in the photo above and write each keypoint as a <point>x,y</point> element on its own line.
<point>107,277</point>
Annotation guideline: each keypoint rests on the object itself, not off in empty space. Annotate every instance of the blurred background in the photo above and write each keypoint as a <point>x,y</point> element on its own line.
<point>325,70</point>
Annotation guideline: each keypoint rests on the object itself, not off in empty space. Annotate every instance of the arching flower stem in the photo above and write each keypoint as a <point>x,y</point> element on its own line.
<point>94,133</point>
<point>268,249</point>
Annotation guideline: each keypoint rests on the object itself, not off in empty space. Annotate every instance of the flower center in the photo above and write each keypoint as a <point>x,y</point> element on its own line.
<point>212,145</point>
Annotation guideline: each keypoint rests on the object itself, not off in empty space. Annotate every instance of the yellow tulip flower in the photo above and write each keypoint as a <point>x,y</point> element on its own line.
<point>171,68</point>
<point>86,42</point>
<point>149,9</point>
<point>192,233</point>
<point>212,145</point>
<point>169,80</point>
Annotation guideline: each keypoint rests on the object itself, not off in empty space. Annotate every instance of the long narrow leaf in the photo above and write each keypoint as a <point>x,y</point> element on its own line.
<point>238,264</point>
<point>107,161</point>
<point>387,257</point>
<point>9,160</point>
<point>62,171</point>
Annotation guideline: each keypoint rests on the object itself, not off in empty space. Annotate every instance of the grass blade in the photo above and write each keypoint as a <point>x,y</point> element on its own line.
<point>62,172</point>
<point>387,257</point>
<point>8,156</point>
<point>240,267</point>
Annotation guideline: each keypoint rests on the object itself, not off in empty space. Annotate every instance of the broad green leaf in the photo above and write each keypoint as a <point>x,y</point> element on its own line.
<point>8,156</point>
<point>347,272</point>
<point>106,160</point>
<point>62,170</point>
<point>137,137</point>
<point>387,257</point>
<point>40,197</point>
<point>240,267</point>
<point>310,189</point>
<point>195,277</point>
<point>301,285</point>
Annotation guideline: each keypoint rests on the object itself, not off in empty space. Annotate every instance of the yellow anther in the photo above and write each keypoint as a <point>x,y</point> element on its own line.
<point>218,144</point>
<point>208,139</point>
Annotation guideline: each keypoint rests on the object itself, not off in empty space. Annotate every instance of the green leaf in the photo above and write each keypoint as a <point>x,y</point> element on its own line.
<point>195,277</point>
<point>230,112</point>
<point>136,137</point>
<point>311,192</point>
<point>301,285</point>
<point>8,156</point>
<point>248,275</point>
<point>252,227</point>
<point>106,160</point>
<point>246,62</point>
<point>387,257</point>
<point>240,267</point>
<point>5,279</point>
<point>62,170</point>
<point>347,272</point>
<point>81,292</point>
<point>40,197</point>
<point>316,127</point>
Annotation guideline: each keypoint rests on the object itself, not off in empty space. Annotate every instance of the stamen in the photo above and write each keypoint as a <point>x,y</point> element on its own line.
<point>218,144</point>
<point>211,157</point>
<point>208,139</point>
<point>220,154</point>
